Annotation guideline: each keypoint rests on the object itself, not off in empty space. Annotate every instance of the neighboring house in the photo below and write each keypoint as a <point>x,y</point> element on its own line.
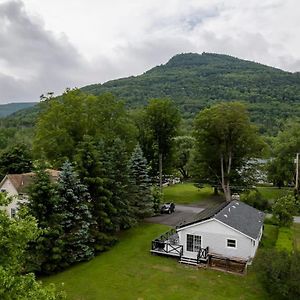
<point>16,187</point>
<point>230,231</point>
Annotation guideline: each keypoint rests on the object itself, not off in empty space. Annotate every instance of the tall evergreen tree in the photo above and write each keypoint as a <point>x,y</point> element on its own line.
<point>46,252</point>
<point>116,161</point>
<point>91,169</point>
<point>74,201</point>
<point>142,200</point>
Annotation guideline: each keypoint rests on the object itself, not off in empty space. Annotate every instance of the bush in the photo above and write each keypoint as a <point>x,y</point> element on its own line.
<point>273,272</point>
<point>279,273</point>
<point>294,286</point>
<point>157,199</point>
<point>255,199</point>
<point>283,209</point>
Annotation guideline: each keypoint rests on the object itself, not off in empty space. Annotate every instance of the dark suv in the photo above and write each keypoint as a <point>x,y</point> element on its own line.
<point>167,208</point>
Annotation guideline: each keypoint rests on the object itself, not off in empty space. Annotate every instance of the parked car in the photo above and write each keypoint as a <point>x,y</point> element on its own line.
<point>167,208</point>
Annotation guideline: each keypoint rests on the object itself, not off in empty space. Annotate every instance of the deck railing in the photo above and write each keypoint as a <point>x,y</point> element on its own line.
<point>202,254</point>
<point>167,243</point>
<point>167,248</point>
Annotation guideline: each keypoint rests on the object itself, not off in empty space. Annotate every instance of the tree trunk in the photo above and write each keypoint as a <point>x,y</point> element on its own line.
<point>216,191</point>
<point>160,171</point>
<point>225,180</point>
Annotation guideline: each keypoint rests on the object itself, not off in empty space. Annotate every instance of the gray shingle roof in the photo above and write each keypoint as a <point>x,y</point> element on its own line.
<point>242,217</point>
<point>203,215</point>
<point>235,214</point>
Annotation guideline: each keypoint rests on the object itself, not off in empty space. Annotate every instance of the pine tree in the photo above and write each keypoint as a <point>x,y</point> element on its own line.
<point>91,168</point>
<point>74,202</point>
<point>118,183</point>
<point>46,252</point>
<point>142,200</point>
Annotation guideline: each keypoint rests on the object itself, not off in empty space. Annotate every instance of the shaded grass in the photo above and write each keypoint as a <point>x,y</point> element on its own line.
<point>187,193</point>
<point>296,235</point>
<point>285,239</point>
<point>129,271</point>
<point>270,236</point>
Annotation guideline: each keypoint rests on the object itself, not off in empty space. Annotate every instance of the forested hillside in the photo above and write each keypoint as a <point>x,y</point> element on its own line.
<point>10,108</point>
<point>195,81</point>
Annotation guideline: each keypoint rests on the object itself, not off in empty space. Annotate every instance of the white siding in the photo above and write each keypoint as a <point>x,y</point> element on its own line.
<point>214,234</point>
<point>11,192</point>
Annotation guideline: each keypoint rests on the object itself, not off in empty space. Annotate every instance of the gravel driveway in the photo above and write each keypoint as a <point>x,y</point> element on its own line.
<point>181,213</point>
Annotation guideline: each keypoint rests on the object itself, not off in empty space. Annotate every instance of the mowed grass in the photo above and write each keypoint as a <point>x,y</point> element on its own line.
<point>285,239</point>
<point>296,235</point>
<point>129,271</point>
<point>187,193</point>
<point>273,193</point>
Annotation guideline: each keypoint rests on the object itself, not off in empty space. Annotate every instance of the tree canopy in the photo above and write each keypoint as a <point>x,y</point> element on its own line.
<point>64,124</point>
<point>225,142</point>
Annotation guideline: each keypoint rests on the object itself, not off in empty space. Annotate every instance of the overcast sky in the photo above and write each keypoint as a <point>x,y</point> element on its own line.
<point>48,45</point>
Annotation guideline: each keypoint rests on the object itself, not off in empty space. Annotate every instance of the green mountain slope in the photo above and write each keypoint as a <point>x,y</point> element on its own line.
<point>195,81</point>
<point>8,109</point>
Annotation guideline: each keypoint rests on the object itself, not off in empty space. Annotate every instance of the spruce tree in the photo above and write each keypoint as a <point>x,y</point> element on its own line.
<point>46,252</point>
<point>142,199</point>
<point>74,202</point>
<point>118,183</point>
<point>91,168</point>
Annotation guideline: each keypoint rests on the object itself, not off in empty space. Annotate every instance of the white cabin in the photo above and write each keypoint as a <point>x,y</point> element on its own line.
<point>229,231</point>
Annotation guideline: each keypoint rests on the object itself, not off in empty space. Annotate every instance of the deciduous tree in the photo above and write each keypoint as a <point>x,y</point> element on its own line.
<point>162,120</point>
<point>225,141</point>
<point>14,238</point>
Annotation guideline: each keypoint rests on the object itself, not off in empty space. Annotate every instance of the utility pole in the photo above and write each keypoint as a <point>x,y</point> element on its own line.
<point>297,173</point>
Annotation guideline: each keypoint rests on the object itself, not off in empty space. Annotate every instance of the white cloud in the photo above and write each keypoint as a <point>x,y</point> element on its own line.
<point>52,44</point>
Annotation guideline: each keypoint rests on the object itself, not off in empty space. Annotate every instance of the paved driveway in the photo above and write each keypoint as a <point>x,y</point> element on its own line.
<point>182,212</point>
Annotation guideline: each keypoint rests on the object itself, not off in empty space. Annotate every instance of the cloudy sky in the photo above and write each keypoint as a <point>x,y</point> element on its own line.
<point>48,45</point>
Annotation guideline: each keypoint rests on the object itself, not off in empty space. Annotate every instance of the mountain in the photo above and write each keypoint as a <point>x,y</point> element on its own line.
<point>195,81</point>
<point>8,109</point>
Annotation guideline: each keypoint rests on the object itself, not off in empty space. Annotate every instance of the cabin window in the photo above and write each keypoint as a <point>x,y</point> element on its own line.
<point>193,242</point>
<point>231,243</point>
<point>13,212</point>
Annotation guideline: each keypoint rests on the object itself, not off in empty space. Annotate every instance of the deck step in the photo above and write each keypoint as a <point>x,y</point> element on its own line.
<point>189,261</point>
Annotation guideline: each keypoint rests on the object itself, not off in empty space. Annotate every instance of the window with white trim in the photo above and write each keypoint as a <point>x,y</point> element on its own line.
<point>193,242</point>
<point>231,243</point>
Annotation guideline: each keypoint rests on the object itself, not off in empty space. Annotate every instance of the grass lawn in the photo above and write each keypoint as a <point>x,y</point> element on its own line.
<point>187,193</point>
<point>285,239</point>
<point>129,271</point>
<point>273,193</point>
<point>296,234</point>
<point>270,236</point>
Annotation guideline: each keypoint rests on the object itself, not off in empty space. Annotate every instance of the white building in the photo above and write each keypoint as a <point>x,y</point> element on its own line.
<point>229,231</point>
<point>16,187</point>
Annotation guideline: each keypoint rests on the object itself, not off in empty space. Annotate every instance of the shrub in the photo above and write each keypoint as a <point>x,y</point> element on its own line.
<point>279,273</point>
<point>273,269</point>
<point>283,209</point>
<point>255,199</point>
<point>157,199</point>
